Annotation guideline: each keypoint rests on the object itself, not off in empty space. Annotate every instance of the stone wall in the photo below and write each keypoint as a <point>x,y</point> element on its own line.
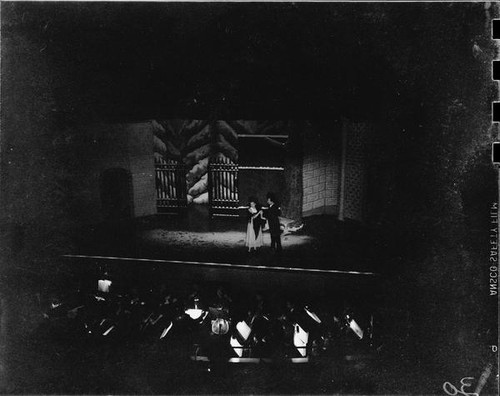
<point>353,183</point>
<point>120,146</point>
<point>321,173</point>
<point>140,143</point>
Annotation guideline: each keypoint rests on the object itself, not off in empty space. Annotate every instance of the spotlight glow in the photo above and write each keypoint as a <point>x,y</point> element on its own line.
<point>222,239</point>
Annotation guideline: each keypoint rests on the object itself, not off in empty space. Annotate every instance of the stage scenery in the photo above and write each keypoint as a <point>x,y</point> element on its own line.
<point>248,198</point>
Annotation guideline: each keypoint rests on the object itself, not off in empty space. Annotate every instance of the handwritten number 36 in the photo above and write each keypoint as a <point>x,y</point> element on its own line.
<point>452,391</point>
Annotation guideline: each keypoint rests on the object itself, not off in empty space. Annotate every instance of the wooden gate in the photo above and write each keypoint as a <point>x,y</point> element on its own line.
<point>223,187</point>
<point>171,195</point>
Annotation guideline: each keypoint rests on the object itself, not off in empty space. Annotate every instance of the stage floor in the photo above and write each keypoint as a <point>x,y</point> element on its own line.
<point>324,243</point>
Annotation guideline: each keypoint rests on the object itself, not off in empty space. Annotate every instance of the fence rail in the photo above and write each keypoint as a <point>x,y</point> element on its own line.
<point>223,191</point>
<point>223,187</point>
<point>171,194</point>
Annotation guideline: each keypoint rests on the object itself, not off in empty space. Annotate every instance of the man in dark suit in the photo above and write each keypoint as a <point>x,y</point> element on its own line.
<point>272,215</point>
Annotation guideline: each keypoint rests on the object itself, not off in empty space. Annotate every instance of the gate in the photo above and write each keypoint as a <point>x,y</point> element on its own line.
<point>223,187</point>
<point>171,194</point>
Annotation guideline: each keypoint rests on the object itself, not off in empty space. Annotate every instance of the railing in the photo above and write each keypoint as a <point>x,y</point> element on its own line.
<point>223,187</point>
<point>171,195</point>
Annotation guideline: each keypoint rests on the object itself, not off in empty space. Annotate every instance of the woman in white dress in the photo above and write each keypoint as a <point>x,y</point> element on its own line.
<point>254,227</point>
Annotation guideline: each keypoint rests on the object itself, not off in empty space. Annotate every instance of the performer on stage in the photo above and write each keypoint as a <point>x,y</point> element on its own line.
<point>272,215</point>
<point>254,229</point>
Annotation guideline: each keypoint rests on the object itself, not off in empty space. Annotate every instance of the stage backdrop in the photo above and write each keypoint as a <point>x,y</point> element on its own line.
<point>314,167</point>
<point>257,147</point>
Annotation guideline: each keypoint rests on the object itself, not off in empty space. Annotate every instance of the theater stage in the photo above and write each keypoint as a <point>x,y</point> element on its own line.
<point>324,243</point>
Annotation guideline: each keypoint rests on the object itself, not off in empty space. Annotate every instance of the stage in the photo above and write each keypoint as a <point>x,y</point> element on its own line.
<point>323,243</point>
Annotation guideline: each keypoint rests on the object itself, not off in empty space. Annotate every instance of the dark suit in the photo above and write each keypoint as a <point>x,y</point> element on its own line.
<point>272,215</point>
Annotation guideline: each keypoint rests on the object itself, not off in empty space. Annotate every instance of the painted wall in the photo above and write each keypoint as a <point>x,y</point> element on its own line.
<point>353,176</point>
<point>195,142</point>
<point>127,147</point>
<point>321,170</point>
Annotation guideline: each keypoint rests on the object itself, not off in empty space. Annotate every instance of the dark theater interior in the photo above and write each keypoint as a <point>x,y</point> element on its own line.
<point>248,198</point>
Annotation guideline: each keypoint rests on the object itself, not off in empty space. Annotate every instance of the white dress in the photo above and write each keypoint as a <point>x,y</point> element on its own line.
<point>252,241</point>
